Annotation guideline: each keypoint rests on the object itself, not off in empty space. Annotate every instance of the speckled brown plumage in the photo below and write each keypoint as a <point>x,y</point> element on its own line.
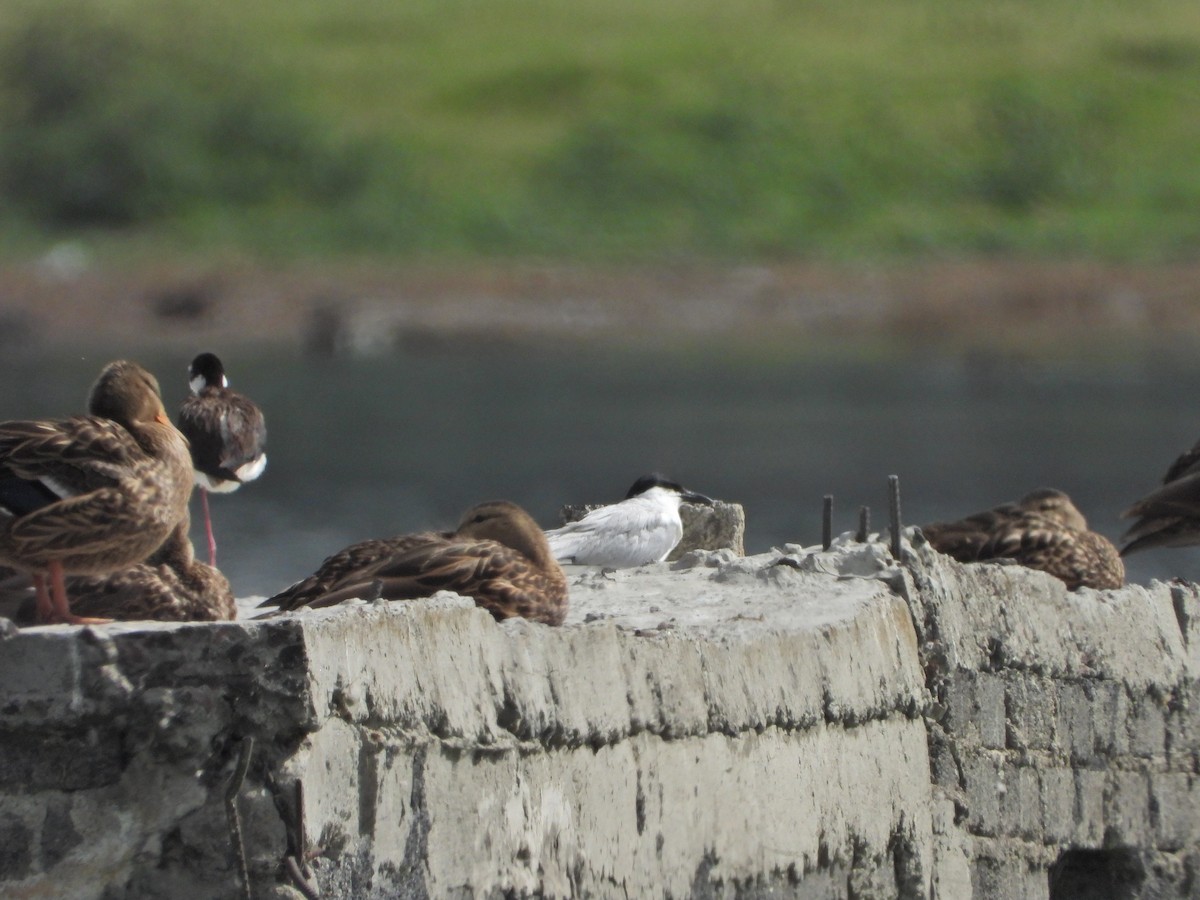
<point>347,567</point>
<point>92,494</point>
<point>170,586</point>
<point>1169,516</point>
<point>498,556</point>
<point>1043,530</point>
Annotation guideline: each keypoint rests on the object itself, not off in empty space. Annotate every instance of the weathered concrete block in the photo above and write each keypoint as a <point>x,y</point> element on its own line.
<point>1175,810</point>
<point>68,759</point>
<point>975,701</point>
<point>1183,726</point>
<point>1020,800</point>
<point>795,724</point>
<point>945,770</point>
<point>1110,718</point>
<point>1007,877</point>
<point>1060,820</point>
<point>721,526</point>
<point>1031,707</point>
<point>16,847</point>
<point>951,864</point>
<point>1127,808</point>
<point>1074,729</point>
<point>983,784</point>
<point>1148,727</point>
<point>991,616</point>
<point>1090,786</point>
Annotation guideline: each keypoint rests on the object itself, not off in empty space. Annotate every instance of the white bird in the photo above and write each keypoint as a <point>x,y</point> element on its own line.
<point>643,528</point>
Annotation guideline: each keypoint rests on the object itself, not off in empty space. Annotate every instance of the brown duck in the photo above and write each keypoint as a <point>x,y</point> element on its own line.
<point>92,494</point>
<point>498,556</point>
<point>1043,530</point>
<point>170,586</point>
<point>226,432</point>
<point>1169,516</point>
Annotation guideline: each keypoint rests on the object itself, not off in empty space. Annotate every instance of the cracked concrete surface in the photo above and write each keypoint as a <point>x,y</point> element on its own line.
<point>795,724</point>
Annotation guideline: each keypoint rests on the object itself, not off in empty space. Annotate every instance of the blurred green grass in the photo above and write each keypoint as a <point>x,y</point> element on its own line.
<point>745,129</point>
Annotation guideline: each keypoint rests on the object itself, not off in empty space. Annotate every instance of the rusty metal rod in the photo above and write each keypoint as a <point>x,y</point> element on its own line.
<point>864,524</point>
<point>231,812</point>
<point>894,510</point>
<point>827,523</point>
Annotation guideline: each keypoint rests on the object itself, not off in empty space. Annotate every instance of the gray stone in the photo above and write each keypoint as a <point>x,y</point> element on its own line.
<point>721,526</point>
<point>975,701</point>
<point>59,836</point>
<point>1003,878</point>
<point>16,848</point>
<point>1127,808</point>
<point>1057,791</point>
<point>1175,810</point>
<point>984,786</point>
<point>1147,728</point>
<point>1074,730</point>
<point>1031,709</point>
<point>796,724</point>
<point>1110,718</point>
<point>1021,803</point>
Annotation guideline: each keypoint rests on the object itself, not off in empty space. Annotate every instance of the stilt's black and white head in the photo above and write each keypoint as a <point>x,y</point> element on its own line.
<point>647,483</point>
<point>206,371</point>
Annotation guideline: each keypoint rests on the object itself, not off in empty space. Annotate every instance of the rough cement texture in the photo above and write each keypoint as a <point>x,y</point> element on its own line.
<point>795,724</point>
<point>1066,741</point>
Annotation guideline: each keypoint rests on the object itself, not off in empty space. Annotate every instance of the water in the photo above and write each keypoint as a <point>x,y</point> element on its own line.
<point>369,447</point>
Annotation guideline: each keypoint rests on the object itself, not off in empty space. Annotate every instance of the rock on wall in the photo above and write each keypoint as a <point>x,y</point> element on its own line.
<point>1065,739</point>
<point>796,724</point>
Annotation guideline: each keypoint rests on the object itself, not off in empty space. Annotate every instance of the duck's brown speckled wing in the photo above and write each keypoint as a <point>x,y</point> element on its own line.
<point>967,539</point>
<point>170,586</point>
<point>350,565</point>
<point>143,592</point>
<point>91,458</point>
<point>159,593</point>
<point>1167,517</point>
<point>84,452</point>
<point>1078,558</point>
<point>1187,463</point>
<point>501,580</point>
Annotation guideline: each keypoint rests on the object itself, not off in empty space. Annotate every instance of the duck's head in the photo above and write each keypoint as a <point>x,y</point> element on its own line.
<point>1053,504</point>
<point>660,482</point>
<point>507,524</point>
<point>206,370</point>
<point>126,393</point>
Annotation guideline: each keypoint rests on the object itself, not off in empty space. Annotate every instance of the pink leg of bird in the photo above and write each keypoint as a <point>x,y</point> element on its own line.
<point>58,594</point>
<point>212,541</point>
<point>45,606</point>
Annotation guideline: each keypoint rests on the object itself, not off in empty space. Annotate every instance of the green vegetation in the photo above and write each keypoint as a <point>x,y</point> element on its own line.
<point>615,130</point>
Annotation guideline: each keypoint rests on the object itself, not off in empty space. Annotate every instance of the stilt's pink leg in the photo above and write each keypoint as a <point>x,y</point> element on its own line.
<point>45,606</point>
<point>212,541</point>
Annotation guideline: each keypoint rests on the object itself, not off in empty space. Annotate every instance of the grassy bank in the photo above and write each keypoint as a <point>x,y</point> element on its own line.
<point>619,130</point>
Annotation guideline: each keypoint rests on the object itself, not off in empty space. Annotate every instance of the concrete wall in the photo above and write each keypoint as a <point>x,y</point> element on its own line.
<point>788,725</point>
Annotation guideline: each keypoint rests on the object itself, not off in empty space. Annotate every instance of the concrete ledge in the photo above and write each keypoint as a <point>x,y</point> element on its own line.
<point>795,724</point>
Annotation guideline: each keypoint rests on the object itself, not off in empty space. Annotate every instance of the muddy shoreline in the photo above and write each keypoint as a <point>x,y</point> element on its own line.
<point>1039,308</point>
